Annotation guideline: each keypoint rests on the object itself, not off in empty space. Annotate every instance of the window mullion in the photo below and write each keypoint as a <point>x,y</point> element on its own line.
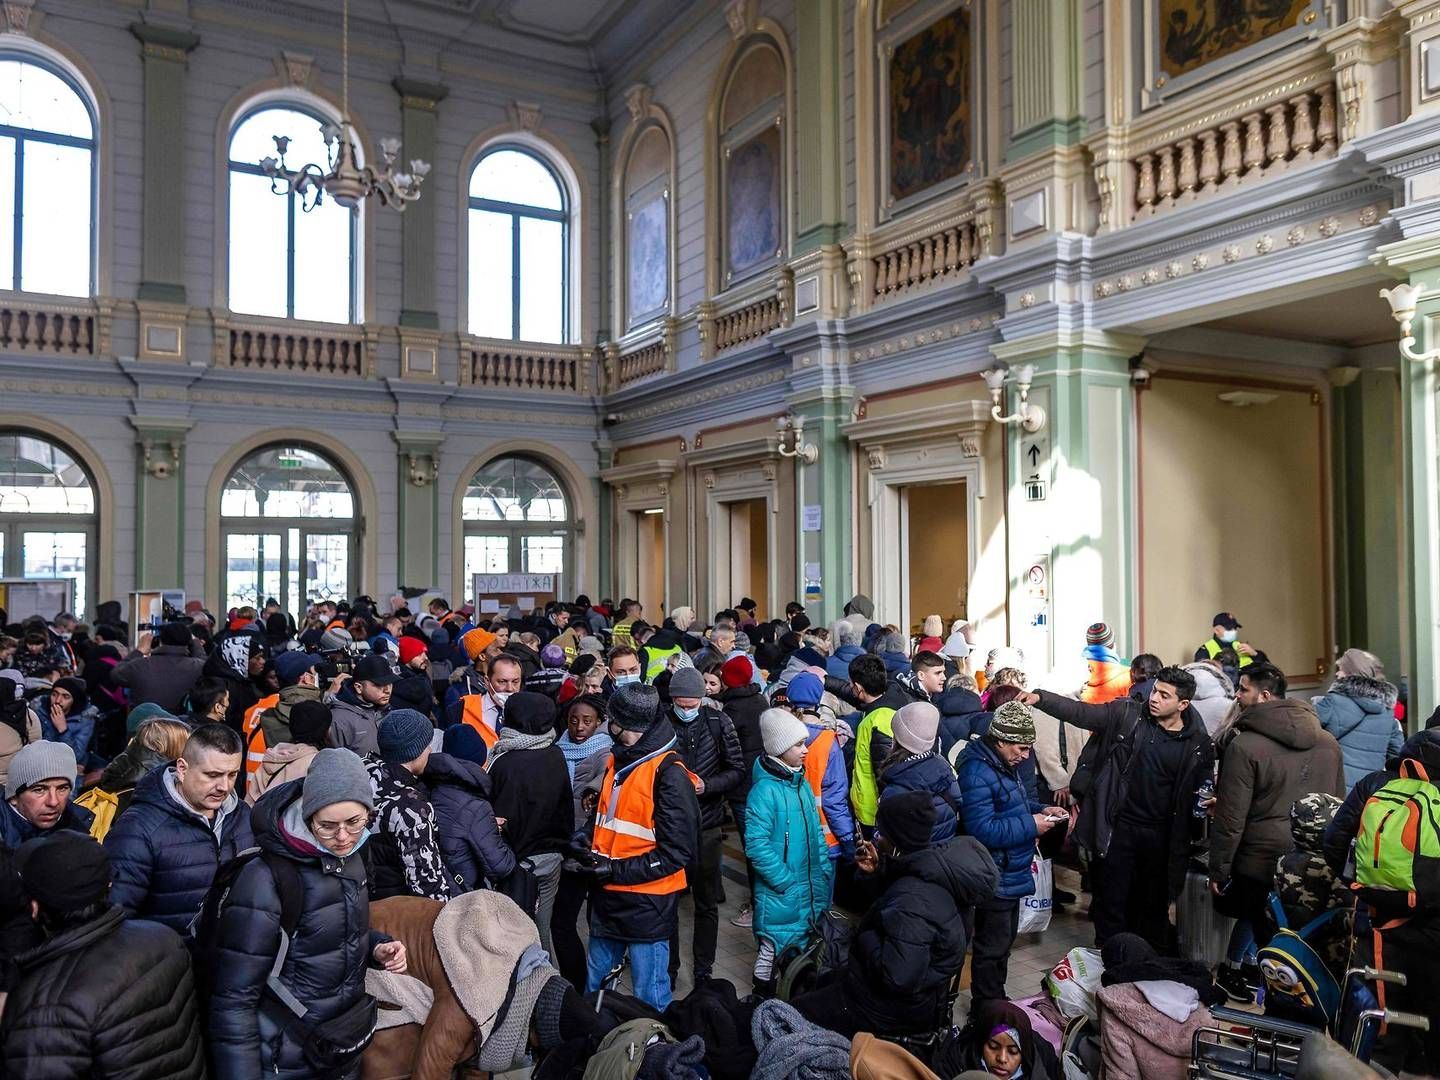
<point>19,210</point>
<point>515,276</point>
<point>290,257</point>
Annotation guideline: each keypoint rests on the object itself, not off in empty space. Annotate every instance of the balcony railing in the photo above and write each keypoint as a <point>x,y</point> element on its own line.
<point>302,348</point>
<point>747,314</point>
<point>646,351</point>
<point>508,365</point>
<point>53,326</point>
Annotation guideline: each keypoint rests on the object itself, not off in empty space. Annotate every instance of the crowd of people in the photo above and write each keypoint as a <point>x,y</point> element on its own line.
<point>385,842</point>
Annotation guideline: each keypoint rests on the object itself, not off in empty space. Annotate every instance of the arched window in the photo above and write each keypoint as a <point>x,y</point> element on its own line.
<point>517,521</point>
<point>754,149</point>
<point>519,248</point>
<point>285,262</point>
<point>47,515</point>
<point>647,227</point>
<point>287,515</point>
<point>47,181</point>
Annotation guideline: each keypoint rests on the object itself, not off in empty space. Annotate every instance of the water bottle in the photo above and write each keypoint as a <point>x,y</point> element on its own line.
<point>1202,799</point>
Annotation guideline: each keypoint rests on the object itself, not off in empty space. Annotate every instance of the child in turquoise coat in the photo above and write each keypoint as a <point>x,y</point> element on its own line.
<point>785,845</point>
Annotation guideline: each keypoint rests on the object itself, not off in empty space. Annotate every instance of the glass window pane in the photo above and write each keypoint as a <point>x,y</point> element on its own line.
<point>252,568</point>
<point>287,482</point>
<point>327,566</point>
<point>292,573</point>
<point>323,273</point>
<point>492,275</point>
<point>56,554</point>
<point>542,280</point>
<point>55,245</point>
<point>258,242</point>
<point>38,477</point>
<point>35,98</point>
<point>514,176</point>
<point>254,138</point>
<point>542,554</point>
<point>485,555</point>
<point>513,489</point>
<point>7,214</point>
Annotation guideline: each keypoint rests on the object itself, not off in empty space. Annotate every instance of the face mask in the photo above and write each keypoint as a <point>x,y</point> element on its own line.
<point>1229,636</point>
<point>501,696</point>
<point>626,680</point>
<point>63,635</point>
<point>687,715</point>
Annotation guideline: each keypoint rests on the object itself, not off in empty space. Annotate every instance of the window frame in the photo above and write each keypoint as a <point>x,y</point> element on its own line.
<point>23,135</point>
<point>15,524</point>
<point>516,532</point>
<point>517,211</point>
<point>253,169</point>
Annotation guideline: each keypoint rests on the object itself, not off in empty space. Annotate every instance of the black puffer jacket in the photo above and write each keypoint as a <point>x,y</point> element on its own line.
<point>911,942</point>
<point>638,916</point>
<point>326,964</point>
<point>744,704</point>
<point>113,998</point>
<point>470,841</point>
<point>711,749</point>
<point>961,717</point>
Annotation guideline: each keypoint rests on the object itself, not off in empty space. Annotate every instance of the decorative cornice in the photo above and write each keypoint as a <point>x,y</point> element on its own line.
<point>699,397</point>
<point>159,42</point>
<point>640,471</point>
<point>415,94</point>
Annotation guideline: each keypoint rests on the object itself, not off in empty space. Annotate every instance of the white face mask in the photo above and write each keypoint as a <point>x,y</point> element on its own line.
<point>1229,636</point>
<point>501,696</point>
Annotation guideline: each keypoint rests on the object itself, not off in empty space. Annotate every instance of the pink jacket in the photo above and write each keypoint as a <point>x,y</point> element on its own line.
<point>1137,1040</point>
<point>283,762</point>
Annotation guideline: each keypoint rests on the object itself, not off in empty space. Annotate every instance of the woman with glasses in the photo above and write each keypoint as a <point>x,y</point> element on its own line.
<point>308,1015</point>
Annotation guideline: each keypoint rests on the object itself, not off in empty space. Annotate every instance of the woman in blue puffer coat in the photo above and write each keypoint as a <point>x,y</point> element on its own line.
<point>473,849</point>
<point>318,824</point>
<point>913,765</point>
<point>1359,711</point>
<point>785,846</point>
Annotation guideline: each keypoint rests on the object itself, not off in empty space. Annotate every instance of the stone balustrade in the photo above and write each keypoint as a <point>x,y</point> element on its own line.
<point>32,324</point>
<point>1254,145</point>
<point>649,359</point>
<point>292,348</point>
<point>748,323</point>
<point>507,365</point>
<point>935,257</point>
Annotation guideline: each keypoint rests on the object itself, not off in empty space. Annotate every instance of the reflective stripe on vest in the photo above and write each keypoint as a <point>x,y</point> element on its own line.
<point>473,713</point>
<point>817,758</point>
<point>625,819</point>
<point>657,658</point>
<point>255,734</point>
<point>1213,649</point>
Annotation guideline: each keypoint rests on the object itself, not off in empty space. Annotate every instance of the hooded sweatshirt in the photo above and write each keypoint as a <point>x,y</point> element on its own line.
<point>1214,695</point>
<point>1360,712</point>
<point>1279,753</point>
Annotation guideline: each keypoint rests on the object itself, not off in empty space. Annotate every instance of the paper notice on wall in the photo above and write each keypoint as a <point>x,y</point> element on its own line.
<point>810,517</point>
<point>812,572</point>
<point>490,607</point>
<point>525,603</point>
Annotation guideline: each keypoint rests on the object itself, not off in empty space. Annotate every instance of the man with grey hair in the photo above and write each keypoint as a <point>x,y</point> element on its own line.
<point>844,646</point>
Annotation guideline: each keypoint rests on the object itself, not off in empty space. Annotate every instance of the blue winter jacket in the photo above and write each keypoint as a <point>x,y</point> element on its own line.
<point>997,811</point>
<point>932,773</point>
<point>838,665</point>
<point>15,828</point>
<point>896,663</point>
<point>961,716</point>
<point>79,729</point>
<point>1360,713</point>
<point>163,856</point>
<point>787,851</point>
<point>470,842</point>
<point>835,795</point>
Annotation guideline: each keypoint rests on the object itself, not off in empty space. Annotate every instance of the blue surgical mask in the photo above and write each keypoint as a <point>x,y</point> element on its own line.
<point>687,715</point>
<point>626,680</point>
<point>1229,636</point>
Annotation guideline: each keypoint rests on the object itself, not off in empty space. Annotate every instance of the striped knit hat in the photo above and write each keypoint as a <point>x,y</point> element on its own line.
<point>1100,634</point>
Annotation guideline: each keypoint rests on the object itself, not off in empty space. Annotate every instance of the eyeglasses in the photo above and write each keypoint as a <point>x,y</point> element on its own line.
<point>327,830</point>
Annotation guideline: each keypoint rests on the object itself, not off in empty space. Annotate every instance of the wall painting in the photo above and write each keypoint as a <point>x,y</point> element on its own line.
<point>931,112</point>
<point>752,201</point>
<point>1194,33</point>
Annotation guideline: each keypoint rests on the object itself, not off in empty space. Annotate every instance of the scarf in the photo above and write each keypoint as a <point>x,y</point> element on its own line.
<point>599,743</point>
<point>515,739</point>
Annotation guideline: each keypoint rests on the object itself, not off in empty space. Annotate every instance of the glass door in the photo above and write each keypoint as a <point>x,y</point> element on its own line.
<point>254,568</point>
<point>295,567</point>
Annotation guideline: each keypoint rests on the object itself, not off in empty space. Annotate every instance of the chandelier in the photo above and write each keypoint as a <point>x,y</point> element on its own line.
<point>342,178</point>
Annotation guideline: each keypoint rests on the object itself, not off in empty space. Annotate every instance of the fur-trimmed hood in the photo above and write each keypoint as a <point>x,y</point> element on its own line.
<point>1364,688</point>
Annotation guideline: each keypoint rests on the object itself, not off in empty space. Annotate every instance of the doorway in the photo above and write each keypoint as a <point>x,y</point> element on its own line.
<point>650,559</point>
<point>745,566</point>
<point>935,541</point>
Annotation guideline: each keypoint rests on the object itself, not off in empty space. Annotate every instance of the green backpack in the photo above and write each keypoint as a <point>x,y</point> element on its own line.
<point>622,1051</point>
<point>1397,849</point>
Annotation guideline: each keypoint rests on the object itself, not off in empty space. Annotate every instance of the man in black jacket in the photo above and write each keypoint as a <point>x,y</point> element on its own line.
<point>645,836</point>
<point>103,994</point>
<point>1152,759</point>
<point>710,748</point>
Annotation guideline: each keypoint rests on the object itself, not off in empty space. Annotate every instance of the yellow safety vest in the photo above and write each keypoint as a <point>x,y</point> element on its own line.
<point>1213,649</point>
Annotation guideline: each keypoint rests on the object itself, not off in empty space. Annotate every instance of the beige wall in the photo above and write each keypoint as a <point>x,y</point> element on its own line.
<point>938,552</point>
<point>1233,518</point>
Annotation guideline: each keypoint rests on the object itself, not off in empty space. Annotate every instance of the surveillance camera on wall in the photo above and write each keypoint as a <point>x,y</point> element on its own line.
<point>1140,378</point>
<point>611,418</point>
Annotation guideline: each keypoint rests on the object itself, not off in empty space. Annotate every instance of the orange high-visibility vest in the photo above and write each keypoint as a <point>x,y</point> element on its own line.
<point>473,713</point>
<point>817,756</point>
<point>625,819</point>
<point>255,734</point>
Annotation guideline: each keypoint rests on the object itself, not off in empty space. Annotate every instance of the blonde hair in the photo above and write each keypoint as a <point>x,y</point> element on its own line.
<point>1008,676</point>
<point>164,736</point>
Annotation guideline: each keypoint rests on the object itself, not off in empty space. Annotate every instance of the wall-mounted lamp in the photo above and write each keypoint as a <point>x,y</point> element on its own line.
<point>791,429</point>
<point>1402,300</point>
<point>1030,417</point>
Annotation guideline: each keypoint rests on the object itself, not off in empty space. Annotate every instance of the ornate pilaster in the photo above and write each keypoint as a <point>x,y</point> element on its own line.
<point>419,104</point>
<point>160,501</point>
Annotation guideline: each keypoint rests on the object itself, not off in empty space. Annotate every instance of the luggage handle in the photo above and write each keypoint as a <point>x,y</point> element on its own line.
<point>1372,974</point>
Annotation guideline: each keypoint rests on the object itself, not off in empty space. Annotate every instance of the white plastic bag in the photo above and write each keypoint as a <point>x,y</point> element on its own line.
<point>1035,908</point>
<point>1074,981</point>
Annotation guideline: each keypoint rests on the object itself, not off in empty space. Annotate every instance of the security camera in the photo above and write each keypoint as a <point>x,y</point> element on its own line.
<point>612,418</point>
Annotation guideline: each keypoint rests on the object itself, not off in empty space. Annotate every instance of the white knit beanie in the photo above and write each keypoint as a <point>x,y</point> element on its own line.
<point>780,730</point>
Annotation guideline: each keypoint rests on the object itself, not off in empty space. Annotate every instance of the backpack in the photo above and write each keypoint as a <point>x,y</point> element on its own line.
<point>622,1051</point>
<point>1299,986</point>
<point>1397,847</point>
<point>104,805</point>
<point>828,949</point>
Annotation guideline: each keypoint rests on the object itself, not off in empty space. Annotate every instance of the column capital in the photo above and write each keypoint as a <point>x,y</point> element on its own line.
<point>164,42</point>
<point>417,94</point>
<point>1042,347</point>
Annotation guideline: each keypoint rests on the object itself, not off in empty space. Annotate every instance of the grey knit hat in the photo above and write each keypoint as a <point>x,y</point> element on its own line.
<point>633,706</point>
<point>41,760</point>
<point>336,775</point>
<point>336,639</point>
<point>403,735</point>
<point>1013,724</point>
<point>505,1049</point>
<point>916,726</point>
<point>687,683</point>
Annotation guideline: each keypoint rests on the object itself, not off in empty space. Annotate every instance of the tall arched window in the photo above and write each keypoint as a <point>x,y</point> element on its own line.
<point>47,514</point>
<point>519,248</point>
<point>517,521</point>
<point>754,150</point>
<point>287,515</point>
<point>285,262</point>
<point>47,180</point>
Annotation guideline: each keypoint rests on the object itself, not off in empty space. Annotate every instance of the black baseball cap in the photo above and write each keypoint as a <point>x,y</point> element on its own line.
<point>375,669</point>
<point>1228,621</point>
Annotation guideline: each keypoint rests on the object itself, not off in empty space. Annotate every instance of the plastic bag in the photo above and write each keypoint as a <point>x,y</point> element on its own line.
<point>1035,908</point>
<point>1074,981</point>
